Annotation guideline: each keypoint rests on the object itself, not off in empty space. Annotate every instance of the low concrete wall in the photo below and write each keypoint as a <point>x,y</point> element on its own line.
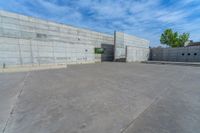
<point>183,54</point>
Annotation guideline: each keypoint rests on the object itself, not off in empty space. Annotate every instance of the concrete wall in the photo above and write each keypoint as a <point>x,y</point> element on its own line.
<point>21,52</point>
<point>137,54</point>
<point>30,41</point>
<point>120,48</point>
<point>183,54</point>
<point>130,48</point>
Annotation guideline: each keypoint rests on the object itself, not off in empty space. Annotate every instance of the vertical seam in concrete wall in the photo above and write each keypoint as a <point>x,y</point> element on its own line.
<point>65,55</point>
<point>53,45</point>
<point>20,54</point>
<point>38,52</point>
<point>126,53</point>
<point>31,50</point>
<point>114,44</point>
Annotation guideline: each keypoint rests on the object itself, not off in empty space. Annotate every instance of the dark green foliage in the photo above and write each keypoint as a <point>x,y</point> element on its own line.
<point>173,39</point>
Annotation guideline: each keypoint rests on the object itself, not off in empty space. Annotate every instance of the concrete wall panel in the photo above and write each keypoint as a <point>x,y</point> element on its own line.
<point>137,54</point>
<point>38,42</point>
<point>184,54</point>
<point>130,48</point>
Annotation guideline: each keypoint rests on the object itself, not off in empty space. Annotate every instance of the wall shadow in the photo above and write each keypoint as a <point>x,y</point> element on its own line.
<point>108,54</point>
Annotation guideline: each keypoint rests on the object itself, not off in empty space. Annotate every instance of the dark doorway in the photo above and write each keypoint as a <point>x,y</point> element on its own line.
<point>108,54</point>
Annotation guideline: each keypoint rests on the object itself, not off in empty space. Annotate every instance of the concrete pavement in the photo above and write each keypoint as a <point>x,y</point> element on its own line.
<point>103,98</point>
<point>196,64</point>
<point>9,88</point>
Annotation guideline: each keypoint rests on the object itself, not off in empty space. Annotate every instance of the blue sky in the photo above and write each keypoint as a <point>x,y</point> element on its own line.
<point>143,18</point>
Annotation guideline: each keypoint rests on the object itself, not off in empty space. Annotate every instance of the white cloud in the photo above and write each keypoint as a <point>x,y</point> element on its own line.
<point>172,17</point>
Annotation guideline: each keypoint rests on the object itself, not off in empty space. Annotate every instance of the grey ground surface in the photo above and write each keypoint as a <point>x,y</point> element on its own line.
<point>9,86</point>
<point>102,98</point>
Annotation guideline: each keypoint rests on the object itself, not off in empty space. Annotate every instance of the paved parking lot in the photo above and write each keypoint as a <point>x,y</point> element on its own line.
<point>102,98</point>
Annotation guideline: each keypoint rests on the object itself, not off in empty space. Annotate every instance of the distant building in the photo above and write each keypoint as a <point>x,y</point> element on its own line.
<point>195,44</point>
<point>191,43</point>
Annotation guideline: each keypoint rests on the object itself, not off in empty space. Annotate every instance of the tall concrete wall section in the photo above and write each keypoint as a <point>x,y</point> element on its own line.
<point>183,54</point>
<point>130,40</point>
<point>30,41</point>
<point>120,48</point>
<point>130,48</point>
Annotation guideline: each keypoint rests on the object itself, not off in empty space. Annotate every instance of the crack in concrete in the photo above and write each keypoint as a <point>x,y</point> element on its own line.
<point>21,87</point>
<point>156,99</point>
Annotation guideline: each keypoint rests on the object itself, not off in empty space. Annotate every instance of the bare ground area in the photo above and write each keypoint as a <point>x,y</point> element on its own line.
<point>102,98</point>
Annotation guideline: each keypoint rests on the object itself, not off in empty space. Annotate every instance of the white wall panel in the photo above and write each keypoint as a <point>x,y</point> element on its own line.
<point>31,40</point>
<point>136,54</point>
<point>130,48</point>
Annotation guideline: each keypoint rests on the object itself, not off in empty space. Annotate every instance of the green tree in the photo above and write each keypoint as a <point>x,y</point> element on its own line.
<point>184,38</point>
<point>173,39</point>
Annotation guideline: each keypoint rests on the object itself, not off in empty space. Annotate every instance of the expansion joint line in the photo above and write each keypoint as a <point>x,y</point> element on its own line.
<point>19,92</point>
<point>156,99</point>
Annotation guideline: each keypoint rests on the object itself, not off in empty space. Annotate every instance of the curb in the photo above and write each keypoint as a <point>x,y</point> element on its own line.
<point>195,64</point>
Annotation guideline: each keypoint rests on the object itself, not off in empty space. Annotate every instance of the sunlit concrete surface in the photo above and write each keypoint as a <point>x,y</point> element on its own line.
<point>102,98</point>
<point>9,87</point>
